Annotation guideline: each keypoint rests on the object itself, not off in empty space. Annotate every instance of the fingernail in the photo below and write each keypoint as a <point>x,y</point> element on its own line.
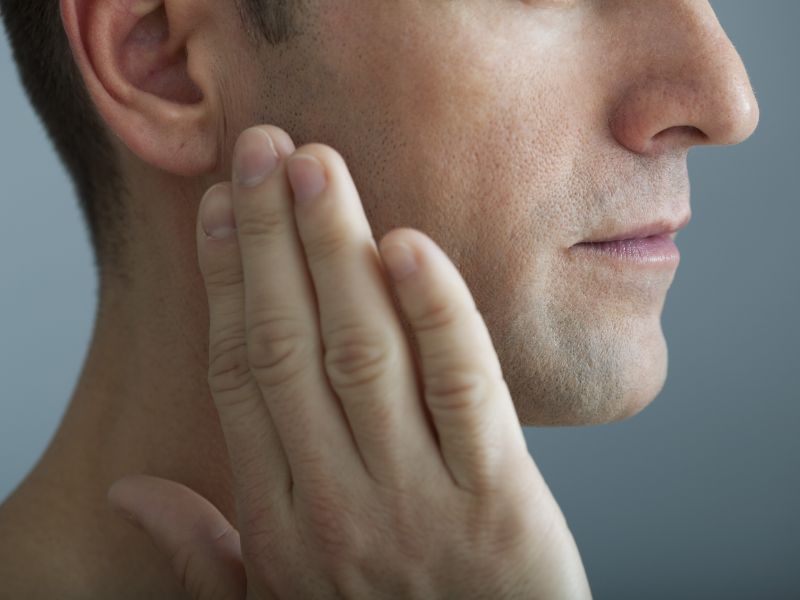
<point>307,177</point>
<point>254,157</point>
<point>400,261</point>
<point>216,213</point>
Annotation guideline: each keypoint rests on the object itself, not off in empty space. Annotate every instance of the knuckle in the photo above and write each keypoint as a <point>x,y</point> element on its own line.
<point>222,275</point>
<point>277,349</point>
<point>191,567</point>
<point>356,356</point>
<point>333,533</point>
<point>513,523</point>
<point>406,528</point>
<point>264,219</point>
<point>456,389</point>
<point>228,367</point>
<point>328,242</point>
<point>182,560</point>
<point>440,314</point>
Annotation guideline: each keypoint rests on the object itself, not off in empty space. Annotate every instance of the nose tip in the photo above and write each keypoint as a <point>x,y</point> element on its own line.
<point>694,90</point>
<point>718,109</point>
<point>734,114</point>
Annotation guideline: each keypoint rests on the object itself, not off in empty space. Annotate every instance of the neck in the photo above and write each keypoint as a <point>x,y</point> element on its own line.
<point>142,403</point>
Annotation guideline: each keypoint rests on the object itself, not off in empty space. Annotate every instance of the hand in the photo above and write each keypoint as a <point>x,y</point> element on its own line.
<point>367,463</point>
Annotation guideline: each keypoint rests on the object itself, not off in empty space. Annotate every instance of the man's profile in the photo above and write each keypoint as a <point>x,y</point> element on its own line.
<point>511,133</point>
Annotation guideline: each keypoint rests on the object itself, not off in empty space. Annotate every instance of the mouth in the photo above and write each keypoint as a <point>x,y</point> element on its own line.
<point>651,244</point>
<point>660,228</point>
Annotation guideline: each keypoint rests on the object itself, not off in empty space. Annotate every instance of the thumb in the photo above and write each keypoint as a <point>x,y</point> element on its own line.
<point>202,546</point>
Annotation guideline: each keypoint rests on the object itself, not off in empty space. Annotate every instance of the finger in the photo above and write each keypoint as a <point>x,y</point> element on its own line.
<point>258,462</point>
<point>204,549</point>
<point>367,357</point>
<point>283,340</point>
<point>479,431</point>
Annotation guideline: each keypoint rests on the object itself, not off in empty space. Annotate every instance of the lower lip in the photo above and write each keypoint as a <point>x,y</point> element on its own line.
<point>657,250</point>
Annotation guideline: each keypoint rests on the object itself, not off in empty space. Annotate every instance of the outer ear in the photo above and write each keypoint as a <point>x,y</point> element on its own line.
<point>144,68</point>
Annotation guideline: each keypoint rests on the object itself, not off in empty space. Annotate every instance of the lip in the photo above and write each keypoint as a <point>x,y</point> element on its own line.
<point>655,250</point>
<point>651,245</point>
<point>662,227</point>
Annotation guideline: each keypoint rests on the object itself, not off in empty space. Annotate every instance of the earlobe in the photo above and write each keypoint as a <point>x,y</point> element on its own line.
<point>147,78</point>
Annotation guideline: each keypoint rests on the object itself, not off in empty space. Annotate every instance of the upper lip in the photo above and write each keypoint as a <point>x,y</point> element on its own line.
<point>660,227</point>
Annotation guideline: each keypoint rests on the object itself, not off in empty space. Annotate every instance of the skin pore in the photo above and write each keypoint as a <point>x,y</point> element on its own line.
<point>506,131</point>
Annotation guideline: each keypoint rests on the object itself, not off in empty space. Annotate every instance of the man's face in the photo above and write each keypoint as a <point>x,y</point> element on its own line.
<point>508,131</point>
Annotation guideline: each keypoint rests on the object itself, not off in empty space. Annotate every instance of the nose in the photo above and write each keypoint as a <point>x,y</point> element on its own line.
<point>690,86</point>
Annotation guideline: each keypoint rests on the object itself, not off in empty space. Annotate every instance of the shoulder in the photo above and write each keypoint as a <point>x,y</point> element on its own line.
<point>49,551</point>
<point>30,557</point>
<point>19,555</point>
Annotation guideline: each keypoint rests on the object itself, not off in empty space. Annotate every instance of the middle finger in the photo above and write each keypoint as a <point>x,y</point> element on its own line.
<point>367,355</point>
<point>283,341</point>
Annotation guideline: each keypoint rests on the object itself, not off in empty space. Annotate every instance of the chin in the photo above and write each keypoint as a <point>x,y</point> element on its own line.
<point>584,408</point>
<point>588,389</point>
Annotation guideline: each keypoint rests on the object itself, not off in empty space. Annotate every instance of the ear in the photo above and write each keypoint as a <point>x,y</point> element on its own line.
<point>143,65</point>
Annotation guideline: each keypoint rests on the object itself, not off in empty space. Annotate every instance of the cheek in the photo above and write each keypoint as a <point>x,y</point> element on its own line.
<point>450,132</point>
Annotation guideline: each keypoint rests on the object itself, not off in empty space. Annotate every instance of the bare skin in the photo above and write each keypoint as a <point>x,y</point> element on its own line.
<point>505,132</point>
<point>365,465</point>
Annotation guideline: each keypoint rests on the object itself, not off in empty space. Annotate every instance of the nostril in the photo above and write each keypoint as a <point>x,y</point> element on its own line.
<point>679,136</point>
<point>685,132</point>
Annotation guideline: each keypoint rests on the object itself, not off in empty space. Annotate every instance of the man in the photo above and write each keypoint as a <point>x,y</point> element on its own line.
<point>513,134</point>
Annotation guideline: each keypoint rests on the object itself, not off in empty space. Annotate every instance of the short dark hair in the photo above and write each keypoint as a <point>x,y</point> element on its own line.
<point>56,90</point>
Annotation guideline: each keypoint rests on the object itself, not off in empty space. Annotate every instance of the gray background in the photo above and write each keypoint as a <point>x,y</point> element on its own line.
<point>696,497</point>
